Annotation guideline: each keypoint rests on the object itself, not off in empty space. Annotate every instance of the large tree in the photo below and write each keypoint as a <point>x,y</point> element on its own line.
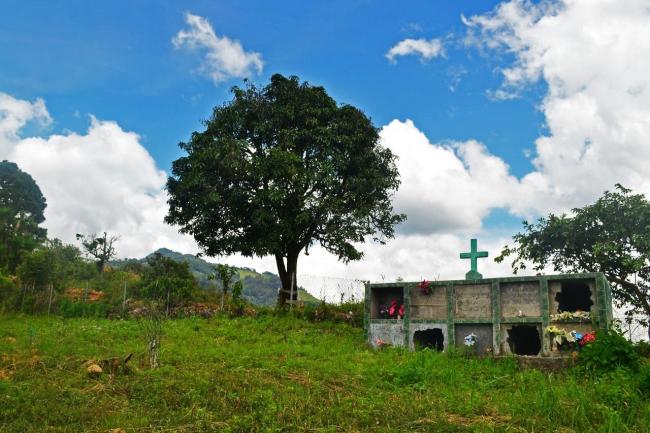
<point>279,168</point>
<point>22,208</point>
<point>611,236</point>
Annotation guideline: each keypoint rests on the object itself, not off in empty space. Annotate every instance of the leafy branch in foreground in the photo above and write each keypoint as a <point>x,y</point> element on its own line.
<point>611,236</point>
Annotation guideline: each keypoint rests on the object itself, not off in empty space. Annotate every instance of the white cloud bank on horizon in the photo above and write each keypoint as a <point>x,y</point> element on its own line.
<point>224,58</point>
<point>423,48</point>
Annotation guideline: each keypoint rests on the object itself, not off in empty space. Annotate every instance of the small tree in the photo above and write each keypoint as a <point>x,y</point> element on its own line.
<point>151,326</point>
<point>611,236</point>
<point>280,168</point>
<point>167,281</point>
<point>99,247</point>
<point>225,274</point>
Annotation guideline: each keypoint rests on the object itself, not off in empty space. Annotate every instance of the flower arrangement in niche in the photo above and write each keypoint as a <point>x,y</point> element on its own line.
<point>393,310</point>
<point>573,340</point>
<point>426,287</point>
<point>571,316</point>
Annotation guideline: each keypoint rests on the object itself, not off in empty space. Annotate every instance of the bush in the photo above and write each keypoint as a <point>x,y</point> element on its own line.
<point>69,308</point>
<point>8,291</point>
<point>643,349</point>
<point>644,379</point>
<point>609,352</point>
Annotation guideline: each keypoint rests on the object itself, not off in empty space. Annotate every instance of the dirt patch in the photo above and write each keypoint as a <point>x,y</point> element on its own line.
<point>491,420</point>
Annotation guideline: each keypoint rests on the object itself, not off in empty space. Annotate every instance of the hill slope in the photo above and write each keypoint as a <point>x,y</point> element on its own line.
<point>259,288</point>
<point>280,374</point>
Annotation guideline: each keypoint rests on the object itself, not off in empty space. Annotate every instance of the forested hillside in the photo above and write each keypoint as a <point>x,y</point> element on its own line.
<point>259,288</point>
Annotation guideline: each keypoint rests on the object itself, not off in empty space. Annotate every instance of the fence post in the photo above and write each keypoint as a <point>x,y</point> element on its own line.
<point>49,304</point>
<point>124,298</point>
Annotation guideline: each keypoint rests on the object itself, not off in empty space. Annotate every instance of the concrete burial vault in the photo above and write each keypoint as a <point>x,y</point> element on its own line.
<point>501,315</point>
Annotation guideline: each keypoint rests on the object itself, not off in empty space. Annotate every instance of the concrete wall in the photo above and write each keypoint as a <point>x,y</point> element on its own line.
<point>520,300</point>
<point>473,301</point>
<point>423,326</point>
<point>390,333</point>
<point>433,306</point>
<point>475,309</point>
<point>484,338</point>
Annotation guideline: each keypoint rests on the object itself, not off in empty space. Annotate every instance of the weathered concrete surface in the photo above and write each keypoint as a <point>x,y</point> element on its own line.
<point>483,337</point>
<point>520,300</point>
<point>433,306</point>
<point>555,364</point>
<point>389,333</point>
<point>422,326</point>
<point>473,301</point>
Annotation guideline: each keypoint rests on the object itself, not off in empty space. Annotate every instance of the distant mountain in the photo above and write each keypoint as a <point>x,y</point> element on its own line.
<point>259,289</point>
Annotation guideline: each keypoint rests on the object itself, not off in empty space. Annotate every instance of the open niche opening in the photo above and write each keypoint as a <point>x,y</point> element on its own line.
<point>387,303</point>
<point>429,339</point>
<point>524,340</point>
<point>574,296</point>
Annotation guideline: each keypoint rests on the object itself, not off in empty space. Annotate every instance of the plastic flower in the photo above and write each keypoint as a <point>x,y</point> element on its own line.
<point>393,308</point>
<point>588,338</point>
<point>425,287</point>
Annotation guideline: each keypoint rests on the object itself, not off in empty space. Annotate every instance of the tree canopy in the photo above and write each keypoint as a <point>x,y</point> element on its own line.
<point>22,208</point>
<point>611,236</point>
<point>280,168</point>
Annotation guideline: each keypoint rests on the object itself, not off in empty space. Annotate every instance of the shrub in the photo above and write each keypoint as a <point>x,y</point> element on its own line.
<point>610,351</point>
<point>70,308</point>
<point>644,379</point>
<point>643,349</point>
<point>8,291</point>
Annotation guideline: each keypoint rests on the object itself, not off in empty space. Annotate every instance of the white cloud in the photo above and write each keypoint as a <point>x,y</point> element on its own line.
<point>448,187</point>
<point>15,114</point>
<point>224,58</point>
<point>103,180</point>
<point>425,49</point>
<point>594,56</point>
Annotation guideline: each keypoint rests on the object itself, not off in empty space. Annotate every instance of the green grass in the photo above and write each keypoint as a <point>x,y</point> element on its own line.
<point>280,374</point>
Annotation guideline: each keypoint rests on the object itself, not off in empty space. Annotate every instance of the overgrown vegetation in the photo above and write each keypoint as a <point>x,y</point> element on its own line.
<point>279,373</point>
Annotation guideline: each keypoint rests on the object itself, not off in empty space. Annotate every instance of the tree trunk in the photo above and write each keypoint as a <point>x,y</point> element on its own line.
<point>288,277</point>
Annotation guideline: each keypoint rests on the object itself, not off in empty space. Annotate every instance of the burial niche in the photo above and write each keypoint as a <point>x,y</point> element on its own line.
<point>574,296</point>
<point>429,339</point>
<point>524,340</point>
<point>387,303</point>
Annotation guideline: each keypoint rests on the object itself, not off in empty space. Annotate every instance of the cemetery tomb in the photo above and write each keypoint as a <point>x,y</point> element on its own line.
<point>539,315</point>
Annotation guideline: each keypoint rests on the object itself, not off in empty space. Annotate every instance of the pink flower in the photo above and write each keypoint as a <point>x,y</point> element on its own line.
<point>393,308</point>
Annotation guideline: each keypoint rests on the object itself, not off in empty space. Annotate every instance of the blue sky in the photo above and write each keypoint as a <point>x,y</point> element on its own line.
<point>497,110</point>
<point>115,60</point>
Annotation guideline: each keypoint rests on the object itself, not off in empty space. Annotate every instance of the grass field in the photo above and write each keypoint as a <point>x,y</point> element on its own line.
<point>273,374</point>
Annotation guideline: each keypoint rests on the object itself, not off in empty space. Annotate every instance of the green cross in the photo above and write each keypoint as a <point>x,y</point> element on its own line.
<point>473,255</point>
